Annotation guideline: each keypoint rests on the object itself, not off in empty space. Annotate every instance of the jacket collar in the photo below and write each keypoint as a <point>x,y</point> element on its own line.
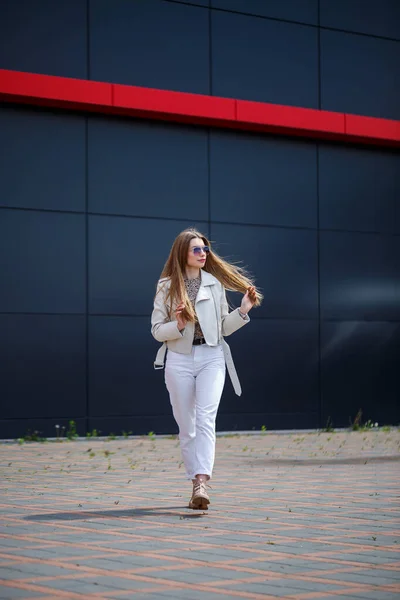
<point>207,278</point>
<point>204,292</point>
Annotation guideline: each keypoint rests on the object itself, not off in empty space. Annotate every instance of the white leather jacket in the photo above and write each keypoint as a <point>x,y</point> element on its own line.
<point>214,317</point>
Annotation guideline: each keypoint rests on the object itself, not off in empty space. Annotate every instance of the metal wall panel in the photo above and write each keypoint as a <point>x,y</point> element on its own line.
<point>43,367</point>
<point>304,11</point>
<point>263,180</point>
<point>204,3</point>
<point>147,169</point>
<point>126,257</point>
<point>44,37</point>
<point>360,370</point>
<point>359,276</point>
<point>44,160</point>
<point>359,74</point>
<point>372,17</point>
<point>277,364</point>
<point>358,188</point>
<point>42,262</point>
<point>122,380</point>
<point>284,262</point>
<point>152,44</point>
<point>252,60</point>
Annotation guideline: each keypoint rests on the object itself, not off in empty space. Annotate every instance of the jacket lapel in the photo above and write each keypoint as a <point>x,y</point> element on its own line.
<point>204,292</point>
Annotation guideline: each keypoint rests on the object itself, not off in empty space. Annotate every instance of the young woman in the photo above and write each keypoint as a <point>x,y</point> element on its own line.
<point>191,317</point>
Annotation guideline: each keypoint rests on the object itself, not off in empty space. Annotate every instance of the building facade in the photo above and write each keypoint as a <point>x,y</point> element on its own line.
<point>92,199</point>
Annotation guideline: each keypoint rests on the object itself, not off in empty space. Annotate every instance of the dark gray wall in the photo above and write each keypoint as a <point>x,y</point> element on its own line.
<point>90,205</point>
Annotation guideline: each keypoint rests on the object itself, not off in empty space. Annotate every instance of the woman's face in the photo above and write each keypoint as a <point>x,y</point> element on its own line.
<point>196,258</point>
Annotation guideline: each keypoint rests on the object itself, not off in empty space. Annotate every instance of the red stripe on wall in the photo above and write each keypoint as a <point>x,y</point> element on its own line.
<point>180,107</point>
<point>367,129</point>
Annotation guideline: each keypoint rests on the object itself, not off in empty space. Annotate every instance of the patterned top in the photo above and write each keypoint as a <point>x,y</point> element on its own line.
<point>192,288</point>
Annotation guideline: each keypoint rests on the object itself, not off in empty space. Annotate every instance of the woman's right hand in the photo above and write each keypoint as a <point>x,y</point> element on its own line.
<point>178,313</point>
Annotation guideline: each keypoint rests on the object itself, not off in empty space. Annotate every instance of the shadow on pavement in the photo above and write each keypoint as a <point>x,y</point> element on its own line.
<point>116,514</point>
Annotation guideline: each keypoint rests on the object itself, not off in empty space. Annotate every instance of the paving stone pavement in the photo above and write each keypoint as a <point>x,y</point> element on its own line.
<point>300,516</point>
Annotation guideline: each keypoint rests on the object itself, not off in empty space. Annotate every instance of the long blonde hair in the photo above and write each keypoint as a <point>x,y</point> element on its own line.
<point>232,277</point>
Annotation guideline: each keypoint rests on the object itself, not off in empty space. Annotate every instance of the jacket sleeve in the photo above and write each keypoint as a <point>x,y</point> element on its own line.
<point>162,328</point>
<point>231,321</point>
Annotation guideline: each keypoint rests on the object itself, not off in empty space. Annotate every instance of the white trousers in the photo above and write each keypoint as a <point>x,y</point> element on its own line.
<point>195,382</point>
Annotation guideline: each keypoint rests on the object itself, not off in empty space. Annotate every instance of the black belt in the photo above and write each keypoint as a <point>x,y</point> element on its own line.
<point>199,341</point>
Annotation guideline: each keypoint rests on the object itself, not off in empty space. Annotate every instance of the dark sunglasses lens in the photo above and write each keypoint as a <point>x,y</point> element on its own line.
<point>199,250</point>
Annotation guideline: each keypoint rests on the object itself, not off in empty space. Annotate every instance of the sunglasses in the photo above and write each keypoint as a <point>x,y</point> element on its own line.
<point>199,249</point>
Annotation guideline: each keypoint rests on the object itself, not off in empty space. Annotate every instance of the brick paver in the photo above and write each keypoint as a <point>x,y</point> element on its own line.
<point>301,516</point>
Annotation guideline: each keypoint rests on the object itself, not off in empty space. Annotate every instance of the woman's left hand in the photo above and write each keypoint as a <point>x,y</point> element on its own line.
<point>248,300</point>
